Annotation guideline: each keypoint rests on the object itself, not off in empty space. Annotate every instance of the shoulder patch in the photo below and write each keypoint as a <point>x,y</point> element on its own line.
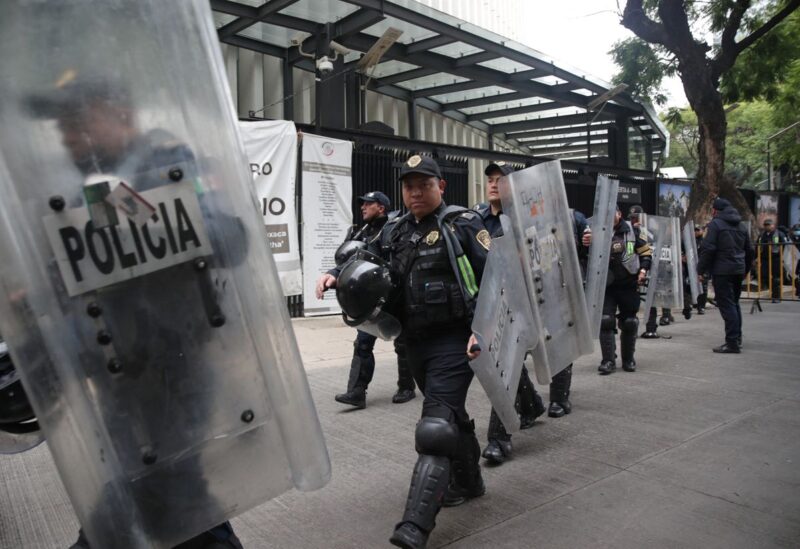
<point>484,239</point>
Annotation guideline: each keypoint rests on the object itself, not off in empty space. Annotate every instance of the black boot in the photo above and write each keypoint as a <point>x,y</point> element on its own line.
<point>466,481</point>
<point>428,486</point>
<point>529,402</point>
<point>499,447</point>
<point>357,397</point>
<point>403,395</point>
<point>559,393</point>
<point>608,347</point>
<point>497,451</point>
<point>627,342</point>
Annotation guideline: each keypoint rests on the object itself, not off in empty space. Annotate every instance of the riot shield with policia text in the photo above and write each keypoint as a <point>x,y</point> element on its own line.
<point>602,225</point>
<point>535,201</point>
<point>138,297</point>
<point>665,282</point>
<point>690,252</point>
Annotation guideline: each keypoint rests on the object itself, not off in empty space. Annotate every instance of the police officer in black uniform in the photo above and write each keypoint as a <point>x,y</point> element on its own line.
<point>437,256</point>
<point>374,208</point>
<point>628,265</point>
<point>772,244</point>
<point>529,402</point>
<point>98,130</point>
<point>561,383</point>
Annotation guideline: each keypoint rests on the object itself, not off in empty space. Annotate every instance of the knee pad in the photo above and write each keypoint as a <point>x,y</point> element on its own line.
<point>436,436</point>
<point>630,324</point>
<point>607,323</point>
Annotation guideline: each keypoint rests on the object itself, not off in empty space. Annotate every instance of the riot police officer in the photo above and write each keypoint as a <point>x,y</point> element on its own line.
<point>99,132</point>
<point>628,265</point>
<point>529,402</point>
<point>771,246</point>
<point>437,255</point>
<point>374,209</point>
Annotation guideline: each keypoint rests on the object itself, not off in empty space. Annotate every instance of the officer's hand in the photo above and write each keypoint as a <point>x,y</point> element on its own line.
<point>324,282</point>
<point>473,349</point>
<point>586,239</point>
<point>642,277</point>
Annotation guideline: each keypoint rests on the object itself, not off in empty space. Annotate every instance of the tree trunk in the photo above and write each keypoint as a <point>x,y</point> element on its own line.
<point>706,102</point>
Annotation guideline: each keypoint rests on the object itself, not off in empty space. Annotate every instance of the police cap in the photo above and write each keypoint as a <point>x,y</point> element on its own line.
<point>70,91</point>
<point>376,196</point>
<point>499,166</point>
<point>424,165</point>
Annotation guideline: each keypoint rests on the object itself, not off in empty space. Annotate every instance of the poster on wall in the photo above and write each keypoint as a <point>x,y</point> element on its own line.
<point>794,211</point>
<point>327,196</point>
<point>271,148</point>
<point>766,208</point>
<point>673,199</point>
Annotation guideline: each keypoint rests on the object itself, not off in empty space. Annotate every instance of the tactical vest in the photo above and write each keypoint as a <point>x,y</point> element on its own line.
<point>437,284</point>
<point>624,258</point>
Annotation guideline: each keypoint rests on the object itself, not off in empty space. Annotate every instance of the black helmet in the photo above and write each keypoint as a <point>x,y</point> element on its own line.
<point>347,249</point>
<point>363,287</point>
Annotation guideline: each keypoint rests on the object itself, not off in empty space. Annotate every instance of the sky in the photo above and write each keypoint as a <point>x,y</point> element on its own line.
<point>580,33</point>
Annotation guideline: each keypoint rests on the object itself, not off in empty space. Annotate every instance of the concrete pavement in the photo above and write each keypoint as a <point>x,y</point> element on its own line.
<point>693,450</point>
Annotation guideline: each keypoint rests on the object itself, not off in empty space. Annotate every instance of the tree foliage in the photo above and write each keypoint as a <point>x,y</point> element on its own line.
<point>749,125</point>
<point>702,42</point>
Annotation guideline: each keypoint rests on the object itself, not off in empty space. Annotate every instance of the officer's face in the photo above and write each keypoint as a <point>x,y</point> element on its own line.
<point>422,194</point>
<point>617,217</point>
<point>371,210</point>
<point>493,186</point>
<point>95,135</point>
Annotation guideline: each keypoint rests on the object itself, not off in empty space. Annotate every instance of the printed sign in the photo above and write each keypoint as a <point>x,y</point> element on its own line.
<point>90,257</point>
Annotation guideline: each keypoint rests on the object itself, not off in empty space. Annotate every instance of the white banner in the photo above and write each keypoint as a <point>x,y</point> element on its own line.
<point>327,196</point>
<point>271,147</point>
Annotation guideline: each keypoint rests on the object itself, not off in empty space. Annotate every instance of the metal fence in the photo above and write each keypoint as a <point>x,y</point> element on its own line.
<point>775,274</point>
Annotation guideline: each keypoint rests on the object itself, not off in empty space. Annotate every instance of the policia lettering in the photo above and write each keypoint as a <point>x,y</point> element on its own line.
<point>89,257</point>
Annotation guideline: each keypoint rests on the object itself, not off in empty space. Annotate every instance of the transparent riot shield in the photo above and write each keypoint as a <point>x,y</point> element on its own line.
<point>602,225</point>
<point>665,281</point>
<point>536,202</point>
<point>690,251</point>
<point>503,325</point>
<point>138,294</point>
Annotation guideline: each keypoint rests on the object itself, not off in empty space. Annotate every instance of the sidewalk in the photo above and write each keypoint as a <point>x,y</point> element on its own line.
<point>695,449</point>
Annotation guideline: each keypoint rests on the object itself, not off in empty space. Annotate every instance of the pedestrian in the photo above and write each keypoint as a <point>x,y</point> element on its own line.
<point>727,253</point>
<point>529,402</point>
<point>629,262</point>
<point>374,207</point>
<point>771,244</point>
<point>436,254</point>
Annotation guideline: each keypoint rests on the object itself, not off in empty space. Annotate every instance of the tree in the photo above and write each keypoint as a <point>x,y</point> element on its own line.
<point>749,125</point>
<point>672,29</point>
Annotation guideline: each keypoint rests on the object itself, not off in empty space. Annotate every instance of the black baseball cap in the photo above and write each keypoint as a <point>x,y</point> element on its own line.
<point>420,164</point>
<point>376,196</point>
<point>499,166</point>
<point>720,204</point>
<point>72,90</point>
